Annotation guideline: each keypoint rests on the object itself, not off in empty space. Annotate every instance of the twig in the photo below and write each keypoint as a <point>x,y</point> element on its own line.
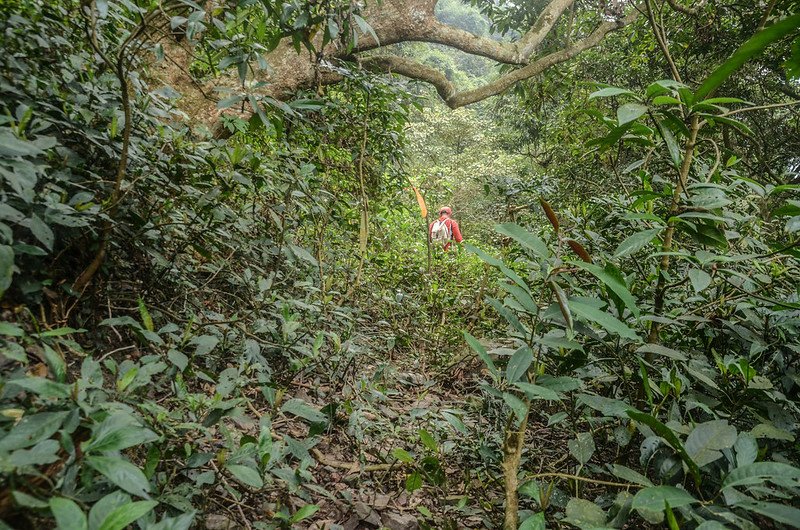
<point>567,476</point>
<point>760,107</point>
<point>245,521</point>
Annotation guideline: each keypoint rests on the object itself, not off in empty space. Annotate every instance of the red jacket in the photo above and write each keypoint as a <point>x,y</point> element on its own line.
<point>454,229</point>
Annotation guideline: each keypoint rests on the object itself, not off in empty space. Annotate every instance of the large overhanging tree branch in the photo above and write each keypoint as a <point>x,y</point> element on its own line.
<point>397,21</point>
<point>454,99</point>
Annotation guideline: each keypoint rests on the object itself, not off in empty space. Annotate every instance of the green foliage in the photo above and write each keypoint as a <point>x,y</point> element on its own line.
<point>648,322</point>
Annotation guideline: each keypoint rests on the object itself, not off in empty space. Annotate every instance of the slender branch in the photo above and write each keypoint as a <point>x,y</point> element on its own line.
<point>542,27</point>
<point>662,41</point>
<point>767,13</point>
<point>584,479</point>
<point>761,107</point>
<point>683,9</point>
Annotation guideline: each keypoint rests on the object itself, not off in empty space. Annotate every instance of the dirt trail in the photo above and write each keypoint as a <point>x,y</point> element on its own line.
<point>399,429</point>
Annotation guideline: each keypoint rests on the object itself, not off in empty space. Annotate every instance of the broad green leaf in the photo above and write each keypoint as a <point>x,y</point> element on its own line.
<point>10,145</point>
<point>413,481</point>
<point>770,432</point>
<point>127,378</point>
<point>178,359</point>
<point>124,515</point>
<point>522,296</point>
<point>700,279</point>
<point>792,225</point>
<point>122,473</point>
<point>723,101</point>
<point>666,100</point>
<point>758,472</point>
<point>478,348</point>
<point>304,513</point>
<point>205,343</point>
<point>626,473</point>
<point>559,384</point>
<point>118,431</point>
<point>181,522</point>
<point>636,242</point>
<point>517,406</point>
<point>736,124</point>
<point>657,498</point>
<point>59,332</point>
<point>428,440</point>
<point>753,46</point>
<point>667,434</point>
<point>712,525</point>
<point>525,238</point>
<point>43,387</point>
<point>663,86</point>
<point>11,330</point>
<point>508,315</point>
<point>662,350</point>
<point>629,112</point>
<point>706,440</point>
<point>32,429</point>
<point>365,28</point>
<point>229,101</point>
<point>607,406</point>
<point>537,392</point>
<point>518,364</point>
<point>494,262</point>
<point>610,91</point>
<point>44,452</point>
<point>103,508</point>
<point>777,512</point>
<point>604,319</point>
<point>612,283</point>
<point>246,475</point>
<point>534,522</point>
<point>402,455</point>
<point>56,363</point>
<point>147,320</point>
<point>28,501</point>
<point>68,514</point>
<point>585,514</point>
<point>557,343</point>
<point>746,448</point>
<point>582,447</point>
<point>454,420</point>
<point>300,408</point>
<point>41,231</point>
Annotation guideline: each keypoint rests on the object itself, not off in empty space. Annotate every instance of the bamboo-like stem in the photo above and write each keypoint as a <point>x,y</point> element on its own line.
<point>512,454</point>
<point>364,232</point>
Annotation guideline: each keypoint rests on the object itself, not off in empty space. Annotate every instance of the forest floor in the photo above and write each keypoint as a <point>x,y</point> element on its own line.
<point>396,454</point>
<point>411,447</point>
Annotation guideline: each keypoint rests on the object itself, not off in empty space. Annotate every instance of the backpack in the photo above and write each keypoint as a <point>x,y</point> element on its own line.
<point>441,231</point>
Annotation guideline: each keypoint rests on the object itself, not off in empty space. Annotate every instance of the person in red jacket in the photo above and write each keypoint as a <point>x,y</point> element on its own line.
<point>444,230</point>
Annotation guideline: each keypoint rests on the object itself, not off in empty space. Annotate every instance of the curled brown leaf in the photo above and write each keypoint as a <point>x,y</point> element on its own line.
<point>578,249</point>
<point>548,211</point>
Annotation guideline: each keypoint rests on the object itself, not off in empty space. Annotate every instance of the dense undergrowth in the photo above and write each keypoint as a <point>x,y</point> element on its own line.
<point>254,330</point>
